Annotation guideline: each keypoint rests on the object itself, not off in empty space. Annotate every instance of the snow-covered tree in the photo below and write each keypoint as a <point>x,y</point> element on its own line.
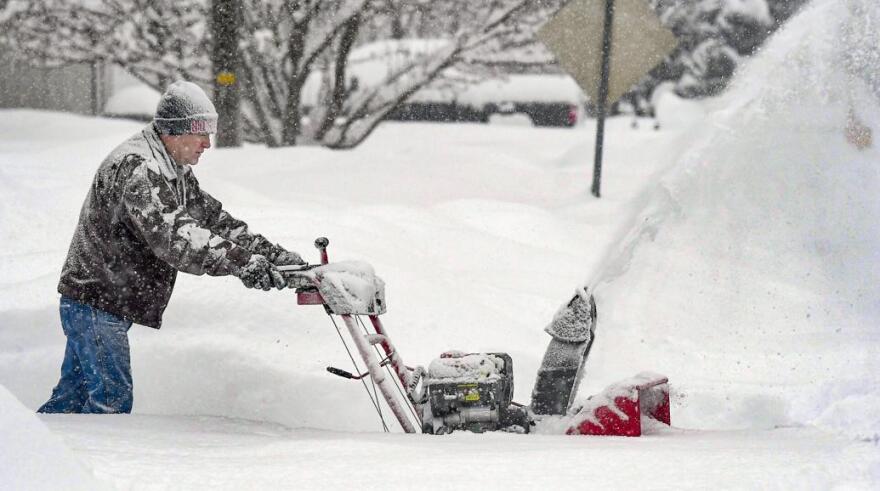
<point>296,82</point>
<point>714,37</point>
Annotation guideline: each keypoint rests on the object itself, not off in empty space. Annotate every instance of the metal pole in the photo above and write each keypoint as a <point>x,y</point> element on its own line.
<point>603,95</point>
<point>385,384</point>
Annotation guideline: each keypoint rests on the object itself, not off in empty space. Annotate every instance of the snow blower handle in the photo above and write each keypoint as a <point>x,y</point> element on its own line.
<point>339,372</point>
<point>321,243</point>
<point>344,374</point>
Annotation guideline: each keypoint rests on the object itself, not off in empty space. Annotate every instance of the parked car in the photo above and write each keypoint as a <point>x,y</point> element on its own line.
<point>547,99</point>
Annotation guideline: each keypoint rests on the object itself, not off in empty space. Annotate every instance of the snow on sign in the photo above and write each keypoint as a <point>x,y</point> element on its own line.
<point>638,43</point>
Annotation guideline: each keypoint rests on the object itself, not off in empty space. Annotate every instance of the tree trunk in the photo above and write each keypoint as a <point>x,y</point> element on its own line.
<point>339,95</point>
<point>226,21</point>
<point>396,12</point>
<point>291,121</point>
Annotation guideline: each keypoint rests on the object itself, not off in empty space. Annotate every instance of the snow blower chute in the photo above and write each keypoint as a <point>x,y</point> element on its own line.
<point>474,391</point>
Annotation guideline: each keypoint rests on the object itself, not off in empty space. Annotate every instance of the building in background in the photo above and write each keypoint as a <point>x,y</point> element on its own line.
<point>81,88</point>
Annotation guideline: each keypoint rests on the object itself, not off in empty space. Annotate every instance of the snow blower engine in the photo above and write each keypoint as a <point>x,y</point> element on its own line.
<point>474,391</point>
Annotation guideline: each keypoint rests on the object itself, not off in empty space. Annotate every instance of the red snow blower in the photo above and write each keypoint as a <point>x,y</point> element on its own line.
<point>474,391</point>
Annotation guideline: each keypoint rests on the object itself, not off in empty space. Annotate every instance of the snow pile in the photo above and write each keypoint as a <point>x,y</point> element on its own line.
<point>33,458</point>
<point>673,111</point>
<point>351,287</point>
<point>475,367</point>
<point>752,273</point>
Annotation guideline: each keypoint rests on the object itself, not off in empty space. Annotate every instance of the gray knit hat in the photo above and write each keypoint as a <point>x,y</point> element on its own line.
<point>185,109</point>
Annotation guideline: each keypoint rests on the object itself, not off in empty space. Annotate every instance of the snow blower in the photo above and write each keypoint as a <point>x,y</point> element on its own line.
<point>474,391</point>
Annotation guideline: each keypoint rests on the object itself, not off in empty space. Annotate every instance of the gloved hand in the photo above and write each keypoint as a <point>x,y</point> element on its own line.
<point>285,258</point>
<point>297,281</point>
<point>260,273</point>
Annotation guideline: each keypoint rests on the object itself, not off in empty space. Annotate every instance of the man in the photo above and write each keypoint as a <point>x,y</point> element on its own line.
<point>146,218</point>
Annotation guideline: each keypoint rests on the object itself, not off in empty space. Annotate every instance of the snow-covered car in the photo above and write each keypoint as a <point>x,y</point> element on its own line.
<point>547,99</point>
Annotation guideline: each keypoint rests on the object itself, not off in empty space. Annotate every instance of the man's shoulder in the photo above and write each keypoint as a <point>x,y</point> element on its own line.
<point>132,154</point>
<point>135,144</point>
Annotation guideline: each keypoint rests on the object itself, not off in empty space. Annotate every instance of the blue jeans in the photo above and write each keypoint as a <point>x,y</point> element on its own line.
<point>96,372</point>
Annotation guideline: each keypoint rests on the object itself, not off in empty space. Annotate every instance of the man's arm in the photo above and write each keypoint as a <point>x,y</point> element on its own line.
<point>172,234</point>
<point>220,222</point>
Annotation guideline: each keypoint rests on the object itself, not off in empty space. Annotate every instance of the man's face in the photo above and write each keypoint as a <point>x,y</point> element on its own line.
<point>186,149</point>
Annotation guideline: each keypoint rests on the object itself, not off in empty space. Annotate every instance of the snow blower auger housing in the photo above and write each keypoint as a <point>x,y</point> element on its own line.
<point>474,391</point>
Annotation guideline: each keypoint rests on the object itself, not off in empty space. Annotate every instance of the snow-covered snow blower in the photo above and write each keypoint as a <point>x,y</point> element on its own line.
<point>474,391</point>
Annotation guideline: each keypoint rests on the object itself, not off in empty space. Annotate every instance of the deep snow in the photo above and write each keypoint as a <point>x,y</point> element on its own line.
<point>735,254</point>
<point>764,240</point>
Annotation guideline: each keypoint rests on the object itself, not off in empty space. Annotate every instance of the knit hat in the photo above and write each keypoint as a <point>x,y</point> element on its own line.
<point>185,109</point>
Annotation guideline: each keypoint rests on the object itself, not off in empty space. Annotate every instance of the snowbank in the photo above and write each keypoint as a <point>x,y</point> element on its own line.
<point>33,458</point>
<point>752,273</point>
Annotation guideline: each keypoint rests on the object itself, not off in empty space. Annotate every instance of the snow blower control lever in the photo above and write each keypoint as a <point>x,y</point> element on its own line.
<point>321,243</point>
<point>473,391</point>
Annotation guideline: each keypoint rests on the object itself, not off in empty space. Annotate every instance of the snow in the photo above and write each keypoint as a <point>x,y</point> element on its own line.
<point>521,88</point>
<point>32,457</point>
<point>350,287</point>
<point>197,236</point>
<point>735,254</point>
<point>763,239</point>
<point>572,323</point>
<point>137,100</point>
<point>585,410</point>
<point>465,368</point>
<point>749,9</point>
<point>672,111</point>
<point>191,98</point>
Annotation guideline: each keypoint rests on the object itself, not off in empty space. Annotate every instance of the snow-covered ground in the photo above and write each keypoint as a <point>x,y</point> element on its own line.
<point>735,253</point>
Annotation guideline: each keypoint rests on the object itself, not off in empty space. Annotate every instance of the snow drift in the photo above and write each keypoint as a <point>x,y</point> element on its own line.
<point>751,276</point>
<point>33,458</point>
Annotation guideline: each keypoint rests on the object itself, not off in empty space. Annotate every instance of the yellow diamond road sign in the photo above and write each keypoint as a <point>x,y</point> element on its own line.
<point>638,43</point>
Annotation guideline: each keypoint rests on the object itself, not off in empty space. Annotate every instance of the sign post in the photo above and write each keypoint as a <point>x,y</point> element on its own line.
<point>602,102</point>
<point>606,46</point>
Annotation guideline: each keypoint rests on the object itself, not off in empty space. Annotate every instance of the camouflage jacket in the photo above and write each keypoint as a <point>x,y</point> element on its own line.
<point>144,219</point>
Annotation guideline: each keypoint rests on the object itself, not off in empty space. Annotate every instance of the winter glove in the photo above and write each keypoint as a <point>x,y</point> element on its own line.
<point>285,258</point>
<point>299,281</point>
<point>260,273</point>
